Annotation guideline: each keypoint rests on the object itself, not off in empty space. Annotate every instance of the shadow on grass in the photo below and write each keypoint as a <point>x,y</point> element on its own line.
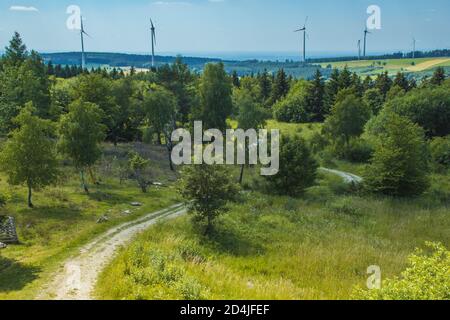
<point>15,276</point>
<point>110,198</point>
<point>233,242</point>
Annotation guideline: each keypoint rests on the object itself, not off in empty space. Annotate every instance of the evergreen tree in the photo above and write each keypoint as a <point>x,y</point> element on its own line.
<point>357,85</point>
<point>316,98</point>
<point>235,79</point>
<point>331,91</point>
<point>16,52</point>
<point>345,79</point>
<point>50,69</point>
<point>179,80</point>
<point>401,81</point>
<point>383,83</point>
<point>265,86</point>
<point>367,83</point>
<point>298,168</point>
<point>438,77</point>
<point>22,81</point>
<point>280,86</point>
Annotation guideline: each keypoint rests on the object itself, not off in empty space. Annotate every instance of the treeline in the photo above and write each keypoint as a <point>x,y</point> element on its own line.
<point>44,115</point>
<point>119,59</point>
<point>397,55</point>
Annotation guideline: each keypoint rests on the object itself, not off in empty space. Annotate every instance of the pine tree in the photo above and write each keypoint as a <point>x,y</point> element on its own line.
<point>357,85</point>
<point>345,79</point>
<point>383,83</point>
<point>367,83</point>
<point>235,79</point>
<point>16,52</point>
<point>265,86</point>
<point>316,97</point>
<point>331,91</point>
<point>280,86</point>
<point>438,77</point>
<point>401,81</point>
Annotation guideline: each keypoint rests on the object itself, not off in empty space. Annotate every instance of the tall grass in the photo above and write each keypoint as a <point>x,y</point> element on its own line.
<point>316,247</point>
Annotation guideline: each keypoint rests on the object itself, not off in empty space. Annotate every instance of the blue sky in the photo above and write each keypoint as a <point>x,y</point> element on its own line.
<point>195,26</point>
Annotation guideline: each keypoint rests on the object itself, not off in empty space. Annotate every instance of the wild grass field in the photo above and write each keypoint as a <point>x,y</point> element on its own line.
<point>392,66</point>
<point>317,246</point>
<point>65,218</point>
<point>268,247</point>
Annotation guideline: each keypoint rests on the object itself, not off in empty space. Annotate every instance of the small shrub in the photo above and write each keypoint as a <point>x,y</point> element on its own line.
<point>358,151</point>
<point>440,152</point>
<point>426,278</point>
<point>3,200</point>
<point>190,289</point>
<point>291,204</point>
<point>344,206</point>
<point>190,252</point>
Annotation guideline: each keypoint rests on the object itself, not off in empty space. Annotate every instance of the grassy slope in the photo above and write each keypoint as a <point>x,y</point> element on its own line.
<point>316,247</point>
<point>65,218</point>
<point>268,247</point>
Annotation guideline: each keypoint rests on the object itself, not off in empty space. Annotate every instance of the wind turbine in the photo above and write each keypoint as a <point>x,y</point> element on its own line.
<point>83,55</point>
<point>153,29</point>
<point>365,40</point>
<point>414,48</point>
<point>304,39</point>
<point>359,49</point>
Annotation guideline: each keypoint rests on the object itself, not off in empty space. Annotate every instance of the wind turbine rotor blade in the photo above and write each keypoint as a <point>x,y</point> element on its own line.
<point>306,21</point>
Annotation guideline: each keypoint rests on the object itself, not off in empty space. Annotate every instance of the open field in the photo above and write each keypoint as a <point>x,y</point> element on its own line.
<point>392,66</point>
<point>65,218</point>
<point>315,247</point>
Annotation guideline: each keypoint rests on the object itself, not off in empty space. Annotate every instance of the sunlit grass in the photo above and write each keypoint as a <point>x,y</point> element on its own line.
<point>63,220</point>
<point>315,247</point>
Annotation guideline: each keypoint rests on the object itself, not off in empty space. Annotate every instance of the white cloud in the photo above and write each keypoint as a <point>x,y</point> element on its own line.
<point>23,8</point>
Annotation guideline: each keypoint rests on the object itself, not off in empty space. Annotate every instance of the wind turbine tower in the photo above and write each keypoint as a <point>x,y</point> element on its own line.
<point>414,48</point>
<point>153,29</point>
<point>365,40</point>
<point>83,54</point>
<point>304,39</point>
<point>359,49</point>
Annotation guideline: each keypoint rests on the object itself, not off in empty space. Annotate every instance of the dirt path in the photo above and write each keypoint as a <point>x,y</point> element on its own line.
<point>428,64</point>
<point>348,177</point>
<point>77,277</point>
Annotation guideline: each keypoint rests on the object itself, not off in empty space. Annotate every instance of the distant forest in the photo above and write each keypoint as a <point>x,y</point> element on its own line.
<point>397,55</point>
<point>243,68</point>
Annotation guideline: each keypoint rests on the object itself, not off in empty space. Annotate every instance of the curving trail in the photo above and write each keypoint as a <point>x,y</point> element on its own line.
<point>348,177</point>
<point>78,275</point>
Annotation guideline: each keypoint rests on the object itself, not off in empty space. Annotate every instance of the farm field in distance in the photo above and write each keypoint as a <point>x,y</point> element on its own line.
<point>392,66</point>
